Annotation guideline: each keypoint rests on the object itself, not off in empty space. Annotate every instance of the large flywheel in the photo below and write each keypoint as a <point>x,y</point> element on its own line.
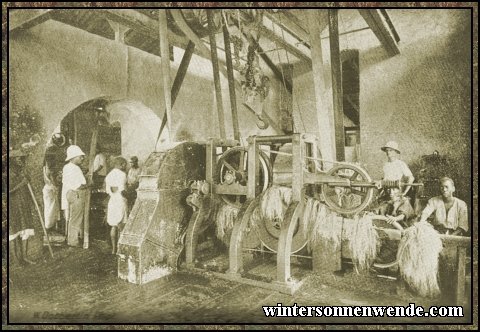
<point>349,199</point>
<point>232,169</point>
<point>269,231</point>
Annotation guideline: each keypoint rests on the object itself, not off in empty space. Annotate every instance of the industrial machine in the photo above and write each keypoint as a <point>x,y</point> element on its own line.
<point>152,241</point>
<point>174,222</point>
<point>241,176</point>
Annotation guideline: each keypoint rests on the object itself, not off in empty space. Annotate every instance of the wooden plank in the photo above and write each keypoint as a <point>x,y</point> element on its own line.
<point>119,30</point>
<point>284,22</point>
<point>141,23</point>
<point>460,291</point>
<point>253,167</point>
<point>164,53</point>
<point>390,24</point>
<point>22,19</point>
<point>297,168</point>
<point>324,111</point>
<point>91,158</point>
<point>177,82</point>
<point>231,83</point>
<point>216,74</point>
<point>336,67</point>
<point>292,22</point>
<point>202,48</point>
<point>284,44</point>
<point>373,17</point>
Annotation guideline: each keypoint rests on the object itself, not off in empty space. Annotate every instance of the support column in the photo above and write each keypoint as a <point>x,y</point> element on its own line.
<point>337,91</point>
<point>316,18</point>
<point>177,82</point>
<point>216,74</point>
<point>231,83</point>
<point>119,29</point>
<point>164,53</point>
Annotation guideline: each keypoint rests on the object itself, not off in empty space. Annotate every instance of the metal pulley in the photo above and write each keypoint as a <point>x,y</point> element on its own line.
<point>348,189</point>
<point>232,175</point>
<point>198,190</point>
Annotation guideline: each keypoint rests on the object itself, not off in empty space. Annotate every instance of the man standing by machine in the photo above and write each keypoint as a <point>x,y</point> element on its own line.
<point>115,184</point>
<point>132,182</point>
<point>52,169</point>
<point>73,194</point>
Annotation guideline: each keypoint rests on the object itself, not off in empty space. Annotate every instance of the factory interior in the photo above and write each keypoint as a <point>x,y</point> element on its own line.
<point>194,165</point>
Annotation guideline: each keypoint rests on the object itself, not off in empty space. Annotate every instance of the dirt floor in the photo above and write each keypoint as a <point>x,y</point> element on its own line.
<point>81,286</point>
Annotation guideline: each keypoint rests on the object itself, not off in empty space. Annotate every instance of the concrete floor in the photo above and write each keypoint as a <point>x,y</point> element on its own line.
<point>81,286</point>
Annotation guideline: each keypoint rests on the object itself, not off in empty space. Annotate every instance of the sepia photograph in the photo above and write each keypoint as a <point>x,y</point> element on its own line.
<point>237,165</point>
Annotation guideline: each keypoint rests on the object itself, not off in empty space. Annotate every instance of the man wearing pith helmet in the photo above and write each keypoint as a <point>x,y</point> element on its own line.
<point>395,169</point>
<point>74,192</point>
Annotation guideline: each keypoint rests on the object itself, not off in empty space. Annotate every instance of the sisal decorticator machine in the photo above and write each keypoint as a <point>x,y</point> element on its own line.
<point>242,180</point>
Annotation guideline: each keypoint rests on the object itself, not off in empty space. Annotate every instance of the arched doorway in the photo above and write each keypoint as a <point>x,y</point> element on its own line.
<point>125,128</point>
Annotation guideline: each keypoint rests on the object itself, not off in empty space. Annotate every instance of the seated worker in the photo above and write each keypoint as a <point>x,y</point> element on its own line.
<point>397,209</point>
<point>450,214</point>
<point>395,169</point>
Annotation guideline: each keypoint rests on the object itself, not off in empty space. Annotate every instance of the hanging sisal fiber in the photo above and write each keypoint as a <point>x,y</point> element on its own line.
<point>225,219</point>
<point>363,240</point>
<point>418,254</point>
<point>274,202</point>
<point>256,217</point>
<point>320,223</point>
<point>307,212</point>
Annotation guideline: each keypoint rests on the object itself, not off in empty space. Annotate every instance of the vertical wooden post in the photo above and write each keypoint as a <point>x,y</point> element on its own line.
<point>324,110</point>
<point>231,83</point>
<point>336,64</point>
<point>216,75</point>
<point>91,158</point>
<point>119,30</point>
<point>253,167</point>
<point>211,163</point>
<point>164,53</point>
<point>460,291</point>
<point>177,82</point>
<point>297,168</point>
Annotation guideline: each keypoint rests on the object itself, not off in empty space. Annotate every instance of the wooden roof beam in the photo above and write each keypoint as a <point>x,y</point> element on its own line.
<point>381,28</point>
<point>283,21</point>
<point>141,23</point>
<point>26,19</point>
<point>284,44</point>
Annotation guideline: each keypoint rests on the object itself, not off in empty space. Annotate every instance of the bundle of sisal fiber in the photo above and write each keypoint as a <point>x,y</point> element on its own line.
<point>275,201</point>
<point>225,219</point>
<point>307,213</point>
<point>256,216</point>
<point>325,226</point>
<point>417,257</point>
<point>363,240</point>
